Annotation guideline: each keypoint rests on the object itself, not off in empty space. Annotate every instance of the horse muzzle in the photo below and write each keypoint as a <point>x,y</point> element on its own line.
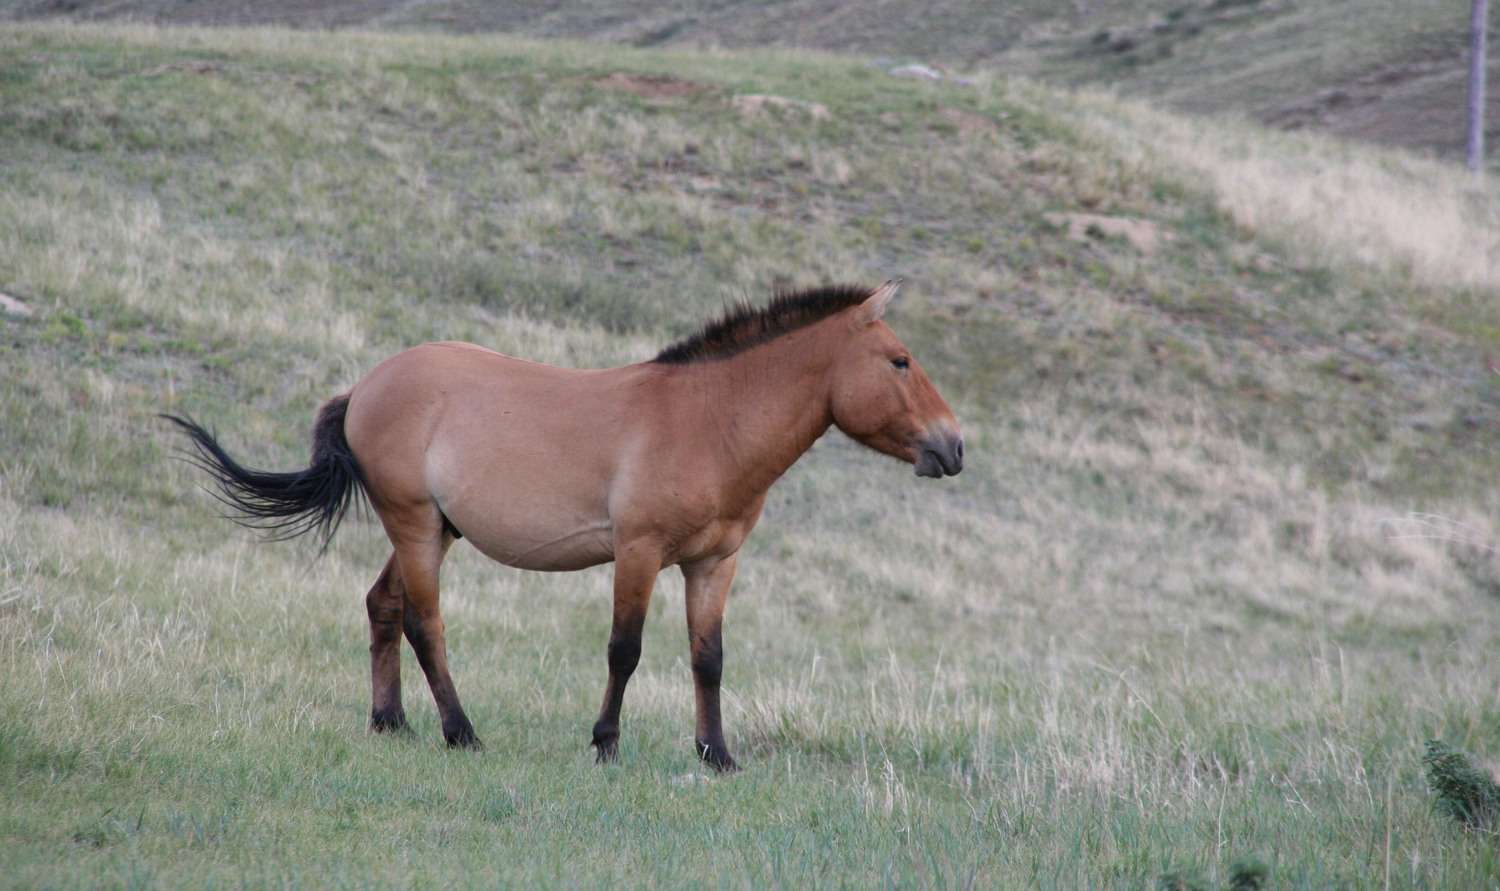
<point>940,456</point>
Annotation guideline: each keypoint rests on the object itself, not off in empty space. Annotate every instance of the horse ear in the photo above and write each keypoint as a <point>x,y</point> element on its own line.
<point>874,306</point>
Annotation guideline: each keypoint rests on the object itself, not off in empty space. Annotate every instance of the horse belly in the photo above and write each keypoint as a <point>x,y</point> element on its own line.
<point>520,459</point>
<point>514,540</point>
<point>523,512</point>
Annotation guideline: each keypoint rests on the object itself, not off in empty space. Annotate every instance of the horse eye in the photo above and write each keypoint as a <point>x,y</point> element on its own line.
<point>902,363</point>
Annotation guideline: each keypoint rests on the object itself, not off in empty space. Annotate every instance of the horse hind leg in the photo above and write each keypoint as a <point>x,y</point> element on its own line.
<point>384,604</point>
<point>419,559</point>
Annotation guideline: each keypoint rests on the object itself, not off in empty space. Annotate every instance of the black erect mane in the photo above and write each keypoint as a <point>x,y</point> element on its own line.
<point>745,326</point>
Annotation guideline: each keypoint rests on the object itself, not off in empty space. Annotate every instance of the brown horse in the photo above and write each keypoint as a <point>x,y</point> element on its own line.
<point>649,465</point>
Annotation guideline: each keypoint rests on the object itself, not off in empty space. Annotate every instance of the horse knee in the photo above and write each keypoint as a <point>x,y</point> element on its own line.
<point>385,614</point>
<point>381,611</point>
<point>708,659</point>
<point>624,654</point>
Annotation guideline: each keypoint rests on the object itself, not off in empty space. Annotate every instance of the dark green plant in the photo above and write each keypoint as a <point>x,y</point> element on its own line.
<point>1245,874</point>
<point>1248,874</point>
<point>1464,792</point>
<point>1181,880</point>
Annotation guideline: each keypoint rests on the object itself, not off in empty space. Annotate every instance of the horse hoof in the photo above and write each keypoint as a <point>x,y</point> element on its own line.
<point>717,757</point>
<point>606,751</point>
<point>606,742</point>
<point>462,737</point>
<point>387,722</point>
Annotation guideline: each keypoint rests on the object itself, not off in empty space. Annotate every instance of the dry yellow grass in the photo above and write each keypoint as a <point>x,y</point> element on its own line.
<point>1331,202</point>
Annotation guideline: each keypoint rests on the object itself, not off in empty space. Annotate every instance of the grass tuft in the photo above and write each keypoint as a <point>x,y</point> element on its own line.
<point>1182,880</point>
<point>1249,873</point>
<point>1464,792</point>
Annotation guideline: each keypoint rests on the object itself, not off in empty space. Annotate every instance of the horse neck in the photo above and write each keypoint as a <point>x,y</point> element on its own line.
<point>769,404</point>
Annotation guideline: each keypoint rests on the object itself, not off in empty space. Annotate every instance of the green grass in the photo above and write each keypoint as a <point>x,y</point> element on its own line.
<point>1222,561</point>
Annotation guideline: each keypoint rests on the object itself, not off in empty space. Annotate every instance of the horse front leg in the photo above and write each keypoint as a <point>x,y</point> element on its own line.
<point>636,568</point>
<point>707,591</point>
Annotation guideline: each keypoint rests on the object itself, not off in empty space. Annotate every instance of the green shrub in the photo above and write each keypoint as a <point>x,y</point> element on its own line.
<point>1464,792</point>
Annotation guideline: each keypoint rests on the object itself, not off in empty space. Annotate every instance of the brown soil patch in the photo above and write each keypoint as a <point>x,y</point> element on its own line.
<point>1144,235</point>
<point>752,104</point>
<point>11,306</point>
<point>188,67</point>
<point>650,86</point>
<point>968,121</point>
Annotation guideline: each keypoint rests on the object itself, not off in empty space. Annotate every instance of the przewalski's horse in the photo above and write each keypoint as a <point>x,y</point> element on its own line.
<point>661,463</point>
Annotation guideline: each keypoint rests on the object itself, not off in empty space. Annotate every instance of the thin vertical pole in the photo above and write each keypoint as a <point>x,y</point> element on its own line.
<point>1476,84</point>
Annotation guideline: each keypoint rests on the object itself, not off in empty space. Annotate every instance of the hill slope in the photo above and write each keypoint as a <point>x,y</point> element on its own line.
<point>1217,568</point>
<point>1387,71</point>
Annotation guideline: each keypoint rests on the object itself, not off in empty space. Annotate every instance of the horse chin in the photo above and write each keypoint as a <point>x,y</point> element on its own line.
<point>929,466</point>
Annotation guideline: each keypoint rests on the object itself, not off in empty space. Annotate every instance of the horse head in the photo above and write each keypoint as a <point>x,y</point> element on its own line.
<point>882,398</point>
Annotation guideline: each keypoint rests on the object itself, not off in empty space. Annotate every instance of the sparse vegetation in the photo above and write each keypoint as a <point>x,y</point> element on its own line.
<point>1221,560</point>
<point>1384,71</point>
<point>1422,224</point>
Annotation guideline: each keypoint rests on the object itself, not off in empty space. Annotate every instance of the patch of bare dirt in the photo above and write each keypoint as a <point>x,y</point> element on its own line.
<point>186,67</point>
<point>968,121</point>
<point>12,306</point>
<point>1143,235</point>
<point>650,86</point>
<point>752,104</point>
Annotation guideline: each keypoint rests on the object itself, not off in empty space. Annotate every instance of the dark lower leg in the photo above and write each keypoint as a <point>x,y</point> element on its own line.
<point>707,592</point>
<point>383,604</point>
<point>708,670</point>
<point>623,655</point>
<point>636,566</point>
<point>425,633</point>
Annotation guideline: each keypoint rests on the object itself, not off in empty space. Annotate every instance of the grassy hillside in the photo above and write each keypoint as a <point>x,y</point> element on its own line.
<point>1386,71</point>
<point>963,29</point>
<point>1222,559</point>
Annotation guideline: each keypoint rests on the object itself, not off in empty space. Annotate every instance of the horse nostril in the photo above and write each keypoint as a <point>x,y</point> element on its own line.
<point>940,455</point>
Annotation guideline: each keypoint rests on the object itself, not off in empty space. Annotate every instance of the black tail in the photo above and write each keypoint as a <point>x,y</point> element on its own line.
<point>286,505</point>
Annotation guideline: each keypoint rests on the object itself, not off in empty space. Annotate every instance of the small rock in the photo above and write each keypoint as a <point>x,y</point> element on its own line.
<point>921,72</point>
<point>12,306</point>
<point>688,779</point>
